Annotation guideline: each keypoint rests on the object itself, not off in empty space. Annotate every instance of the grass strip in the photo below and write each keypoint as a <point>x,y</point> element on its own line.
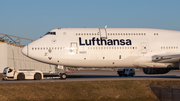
<point>78,91</point>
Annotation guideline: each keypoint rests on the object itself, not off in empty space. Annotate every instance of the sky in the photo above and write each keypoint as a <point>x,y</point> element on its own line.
<point>33,18</point>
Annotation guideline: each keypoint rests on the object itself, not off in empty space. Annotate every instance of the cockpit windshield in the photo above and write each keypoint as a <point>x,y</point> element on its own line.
<point>50,33</point>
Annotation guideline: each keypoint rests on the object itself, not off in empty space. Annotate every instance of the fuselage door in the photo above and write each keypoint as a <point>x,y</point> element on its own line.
<point>103,33</point>
<point>73,48</point>
<point>143,48</point>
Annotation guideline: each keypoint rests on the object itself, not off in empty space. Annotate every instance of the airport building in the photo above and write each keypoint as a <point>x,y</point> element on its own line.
<point>11,56</point>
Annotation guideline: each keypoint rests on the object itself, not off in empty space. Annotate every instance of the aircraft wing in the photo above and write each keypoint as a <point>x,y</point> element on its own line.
<point>165,58</point>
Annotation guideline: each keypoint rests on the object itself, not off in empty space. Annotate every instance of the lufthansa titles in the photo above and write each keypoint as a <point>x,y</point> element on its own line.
<point>101,41</point>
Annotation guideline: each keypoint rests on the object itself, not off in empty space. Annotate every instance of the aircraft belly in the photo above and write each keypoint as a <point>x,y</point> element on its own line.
<point>85,62</point>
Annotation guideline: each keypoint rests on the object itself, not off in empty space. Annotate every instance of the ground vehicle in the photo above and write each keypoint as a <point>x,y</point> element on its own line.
<point>126,72</point>
<point>11,73</point>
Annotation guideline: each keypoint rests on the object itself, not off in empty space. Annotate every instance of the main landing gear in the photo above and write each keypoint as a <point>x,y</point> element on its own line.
<point>61,72</point>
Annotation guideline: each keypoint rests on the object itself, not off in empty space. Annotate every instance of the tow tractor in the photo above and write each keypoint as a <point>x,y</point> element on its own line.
<point>22,74</point>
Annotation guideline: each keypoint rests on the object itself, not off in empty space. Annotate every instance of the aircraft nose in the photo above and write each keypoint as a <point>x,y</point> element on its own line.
<point>24,50</point>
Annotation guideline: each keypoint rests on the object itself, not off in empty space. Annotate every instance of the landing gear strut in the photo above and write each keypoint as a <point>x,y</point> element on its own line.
<point>61,72</point>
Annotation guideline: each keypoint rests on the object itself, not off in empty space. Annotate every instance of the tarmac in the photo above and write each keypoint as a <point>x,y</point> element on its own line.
<point>102,76</point>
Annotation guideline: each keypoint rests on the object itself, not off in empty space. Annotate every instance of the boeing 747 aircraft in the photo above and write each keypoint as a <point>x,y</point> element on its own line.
<point>157,51</point>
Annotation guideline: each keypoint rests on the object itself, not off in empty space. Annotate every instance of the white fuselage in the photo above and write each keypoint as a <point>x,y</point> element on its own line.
<point>105,47</point>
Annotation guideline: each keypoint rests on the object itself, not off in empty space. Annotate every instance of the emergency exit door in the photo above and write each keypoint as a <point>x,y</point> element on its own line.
<point>73,48</point>
<point>143,47</point>
<point>103,33</point>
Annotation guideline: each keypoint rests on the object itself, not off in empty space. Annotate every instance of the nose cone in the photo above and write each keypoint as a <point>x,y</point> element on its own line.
<point>24,50</point>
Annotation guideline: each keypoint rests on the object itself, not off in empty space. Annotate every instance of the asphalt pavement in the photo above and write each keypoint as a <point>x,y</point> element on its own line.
<point>103,75</point>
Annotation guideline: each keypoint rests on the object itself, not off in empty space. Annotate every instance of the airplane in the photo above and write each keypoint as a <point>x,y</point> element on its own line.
<point>157,51</point>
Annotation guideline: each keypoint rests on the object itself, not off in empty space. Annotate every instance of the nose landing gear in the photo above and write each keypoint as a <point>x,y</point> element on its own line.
<point>61,72</point>
<point>63,76</point>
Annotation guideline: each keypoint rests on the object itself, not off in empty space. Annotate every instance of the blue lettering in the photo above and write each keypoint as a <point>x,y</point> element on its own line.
<point>122,42</point>
<point>88,43</point>
<point>110,42</point>
<point>128,42</point>
<point>81,44</point>
<point>97,41</point>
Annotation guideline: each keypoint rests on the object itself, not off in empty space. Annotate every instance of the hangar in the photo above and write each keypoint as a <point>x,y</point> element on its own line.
<point>11,56</point>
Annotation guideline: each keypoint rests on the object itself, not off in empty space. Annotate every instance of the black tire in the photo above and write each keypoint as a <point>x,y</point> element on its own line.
<point>63,76</point>
<point>125,75</point>
<point>120,75</point>
<point>21,76</point>
<point>37,76</point>
<point>132,75</point>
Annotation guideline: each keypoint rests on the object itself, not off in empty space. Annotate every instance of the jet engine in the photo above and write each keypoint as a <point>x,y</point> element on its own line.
<point>156,70</point>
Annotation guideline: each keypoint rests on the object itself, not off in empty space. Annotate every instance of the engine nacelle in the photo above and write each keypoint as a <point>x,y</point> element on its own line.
<point>156,70</point>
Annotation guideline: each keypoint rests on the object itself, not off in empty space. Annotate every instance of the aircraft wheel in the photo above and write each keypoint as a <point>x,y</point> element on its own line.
<point>20,76</point>
<point>37,76</point>
<point>63,76</point>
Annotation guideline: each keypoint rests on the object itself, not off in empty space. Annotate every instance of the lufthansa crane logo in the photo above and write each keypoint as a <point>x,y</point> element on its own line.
<point>53,40</point>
